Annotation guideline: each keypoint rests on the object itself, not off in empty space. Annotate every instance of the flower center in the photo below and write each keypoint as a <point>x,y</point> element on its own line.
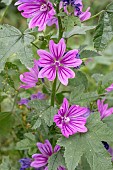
<point>57,63</point>
<point>65,119</point>
<point>44,7</point>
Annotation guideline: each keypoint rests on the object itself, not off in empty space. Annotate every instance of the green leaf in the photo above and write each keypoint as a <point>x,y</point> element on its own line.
<point>89,144</point>
<point>104,31</point>
<point>6,122</point>
<point>68,22</point>
<point>27,143</point>
<point>55,161</point>
<point>88,54</point>
<point>78,30</point>
<point>6,164</point>
<point>109,8</point>
<point>80,79</point>
<point>7,2</point>
<point>48,115</point>
<point>109,121</point>
<point>15,43</point>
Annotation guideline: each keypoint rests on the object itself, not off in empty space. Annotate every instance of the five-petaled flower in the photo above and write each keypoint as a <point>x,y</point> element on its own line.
<point>30,78</point>
<point>110,88</point>
<point>103,109</point>
<point>40,11</point>
<point>71,119</point>
<point>41,160</point>
<point>56,61</point>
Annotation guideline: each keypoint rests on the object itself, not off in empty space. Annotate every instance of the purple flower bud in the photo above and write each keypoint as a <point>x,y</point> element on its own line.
<point>38,96</point>
<point>24,101</point>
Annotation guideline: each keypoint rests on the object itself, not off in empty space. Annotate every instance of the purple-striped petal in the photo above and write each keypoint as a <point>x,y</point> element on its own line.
<point>70,60</point>
<point>48,72</point>
<point>56,148</point>
<point>46,59</point>
<point>39,160</point>
<point>110,88</point>
<point>46,148</point>
<point>64,73</point>
<point>57,50</point>
<point>75,111</point>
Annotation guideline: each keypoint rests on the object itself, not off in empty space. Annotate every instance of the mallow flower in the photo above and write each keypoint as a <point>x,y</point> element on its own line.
<point>39,11</point>
<point>110,88</point>
<point>25,163</point>
<point>30,78</point>
<point>57,62</point>
<point>71,119</point>
<point>41,160</point>
<point>103,109</point>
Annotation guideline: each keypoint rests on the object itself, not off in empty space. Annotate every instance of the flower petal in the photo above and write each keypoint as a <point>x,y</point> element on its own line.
<point>64,73</point>
<point>46,148</point>
<point>57,50</point>
<point>70,60</point>
<point>75,111</point>
<point>56,148</point>
<point>39,160</point>
<point>49,72</point>
<point>46,59</point>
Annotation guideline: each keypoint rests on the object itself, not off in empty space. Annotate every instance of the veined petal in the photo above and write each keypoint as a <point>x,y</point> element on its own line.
<point>39,160</point>
<point>49,72</point>
<point>75,111</point>
<point>57,50</point>
<point>56,148</point>
<point>64,73</point>
<point>70,60</point>
<point>65,106</point>
<point>45,149</point>
<point>68,129</point>
<point>85,15</point>
<point>107,113</point>
<point>58,121</point>
<point>46,59</point>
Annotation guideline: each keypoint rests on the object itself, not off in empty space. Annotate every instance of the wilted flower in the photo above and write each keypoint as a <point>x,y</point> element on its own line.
<point>78,6</point>
<point>110,88</point>
<point>39,96</point>
<point>41,160</point>
<point>25,163</point>
<point>103,109</point>
<point>24,101</point>
<point>40,11</point>
<point>56,62</point>
<point>30,78</point>
<point>71,119</point>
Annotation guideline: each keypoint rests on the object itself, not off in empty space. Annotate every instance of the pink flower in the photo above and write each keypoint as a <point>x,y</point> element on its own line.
<point>41,160</point>
<point>110,88</point>
<point>56,61</point>
<point>78,11</point>
<point>71,119</point>
<point>103,109</point>
<point>40,11</point>
<point>30,78</point>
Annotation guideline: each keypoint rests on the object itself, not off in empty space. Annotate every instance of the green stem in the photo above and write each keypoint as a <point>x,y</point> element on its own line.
<point>94,16</point>
<point>59,23</point>
<point>53,92</point>
<point>58,87</point>
<point>4,14</point>
<point>35,45</point>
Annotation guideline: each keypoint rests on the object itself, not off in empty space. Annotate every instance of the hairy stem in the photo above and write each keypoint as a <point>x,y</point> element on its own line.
<point>53,92</point>
<point>59,23</point>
